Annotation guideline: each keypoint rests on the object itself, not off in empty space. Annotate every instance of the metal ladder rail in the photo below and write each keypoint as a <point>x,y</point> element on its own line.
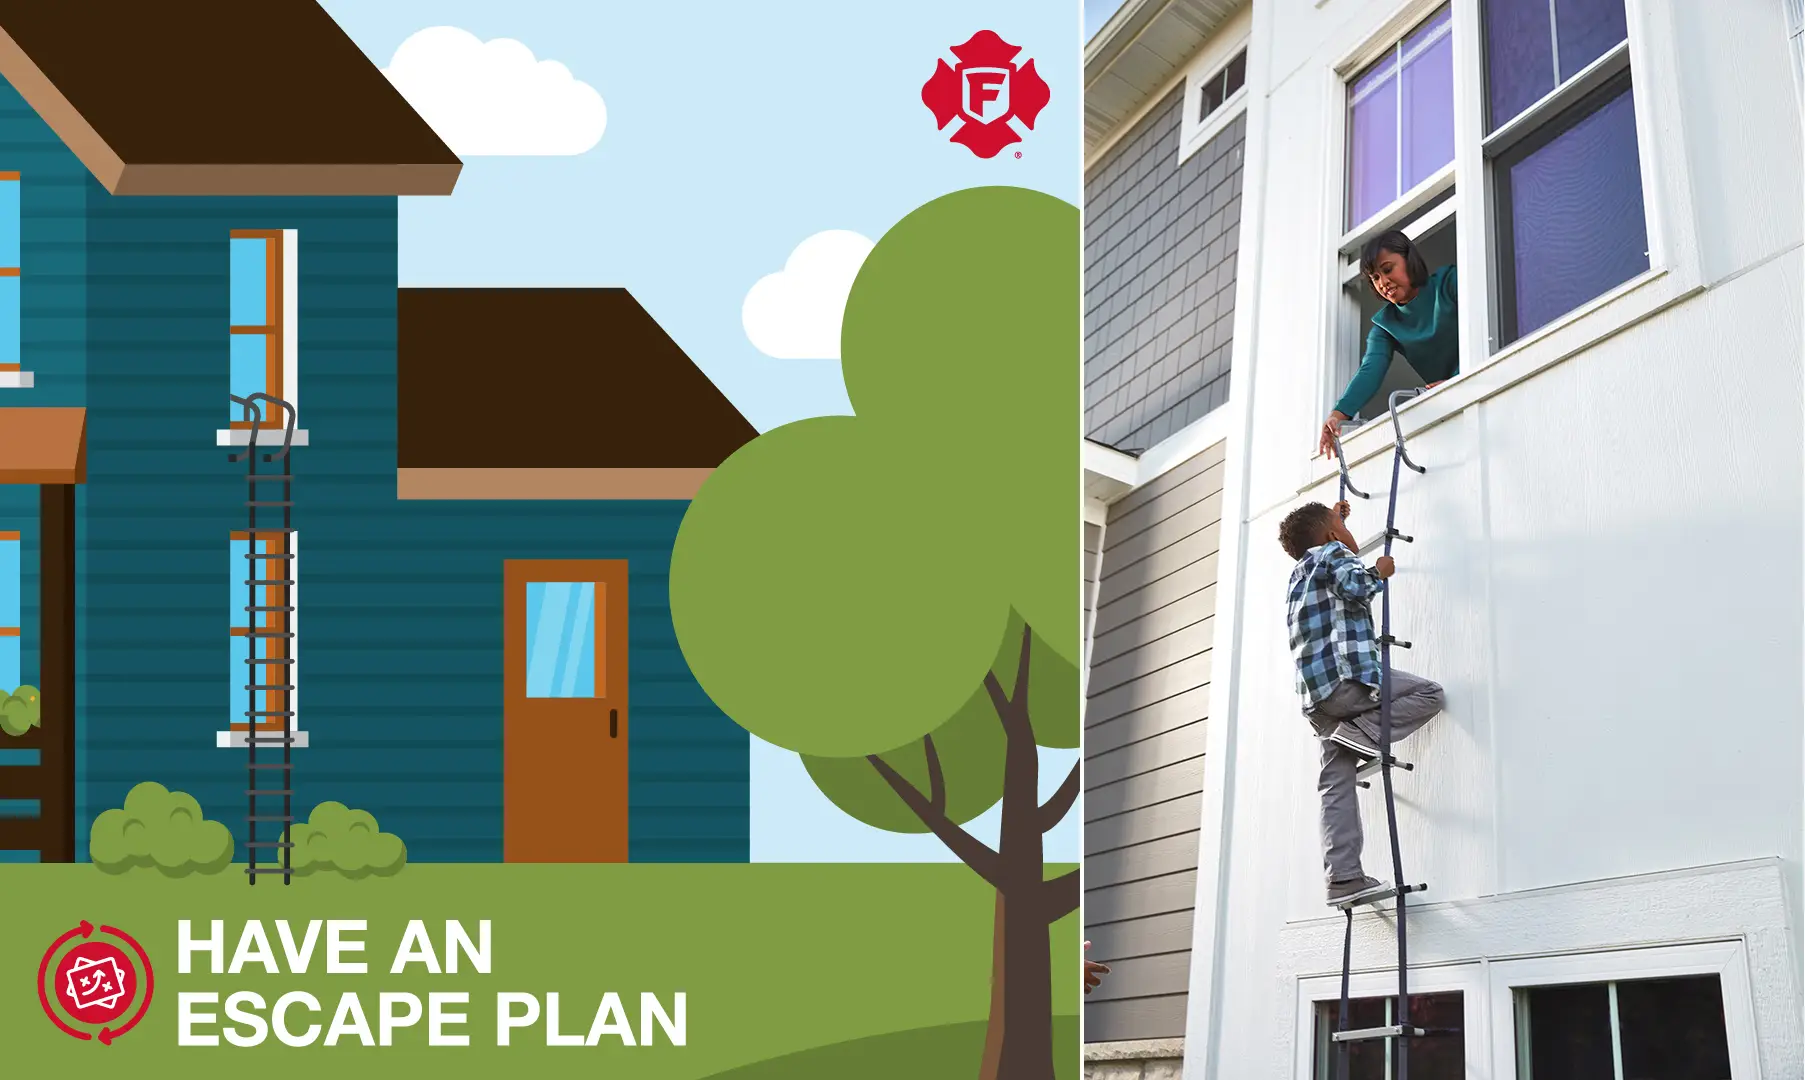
<point>1402,1030</point>
<point>257,576</point>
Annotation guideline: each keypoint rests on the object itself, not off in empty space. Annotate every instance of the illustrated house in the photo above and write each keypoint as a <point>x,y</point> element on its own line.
<point>1604,571</point>
<point>484,484</point>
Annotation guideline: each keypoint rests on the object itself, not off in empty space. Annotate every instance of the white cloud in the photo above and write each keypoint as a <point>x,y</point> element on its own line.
<point>491,98</point>
<point>795,313</point>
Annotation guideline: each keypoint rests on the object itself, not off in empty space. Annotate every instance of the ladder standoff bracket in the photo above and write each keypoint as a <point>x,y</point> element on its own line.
<point>1398,428</point>
<point>1387,639</point>
<point>1347,483</point>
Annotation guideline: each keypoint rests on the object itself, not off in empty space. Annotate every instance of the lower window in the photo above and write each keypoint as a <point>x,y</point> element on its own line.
<point>1434,1057</point>
<point>1642,1029</point>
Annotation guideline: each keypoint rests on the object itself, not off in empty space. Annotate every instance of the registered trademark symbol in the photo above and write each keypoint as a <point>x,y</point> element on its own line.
<point>1018,153</point>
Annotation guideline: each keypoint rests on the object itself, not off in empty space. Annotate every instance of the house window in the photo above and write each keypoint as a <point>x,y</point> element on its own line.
<point>1221,86</point>
<point>1564,157</point>
<point>256,319</point>
<point>11,582</point>
<point>12,371</point>
<point>262,331</point>
<point>1401,118</point>
<point>1669,1029</point>
<point>262,584</point>
<point>1441,1056</point>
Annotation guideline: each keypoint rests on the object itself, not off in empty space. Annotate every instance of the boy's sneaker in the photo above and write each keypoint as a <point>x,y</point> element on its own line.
<point>1345,893</point>
<point>1346,734</point>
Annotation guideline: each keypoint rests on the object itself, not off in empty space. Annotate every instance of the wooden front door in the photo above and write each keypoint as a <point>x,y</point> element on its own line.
<point>564,713</point>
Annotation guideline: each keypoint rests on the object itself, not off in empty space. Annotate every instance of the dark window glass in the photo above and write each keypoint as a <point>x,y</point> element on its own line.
<point>1531,46</point>
<point>1586,30</point>
<point>1673,1029</point>
<point>1237,72</point>
<point>1569,1036</point>
<point>1573,199</point>
<point>1212,98</point>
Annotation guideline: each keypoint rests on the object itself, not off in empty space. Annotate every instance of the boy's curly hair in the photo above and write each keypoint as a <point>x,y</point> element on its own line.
<point>1304,528</point>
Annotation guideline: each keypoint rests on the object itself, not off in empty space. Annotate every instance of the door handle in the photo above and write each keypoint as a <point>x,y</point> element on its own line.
<point>614,723</point>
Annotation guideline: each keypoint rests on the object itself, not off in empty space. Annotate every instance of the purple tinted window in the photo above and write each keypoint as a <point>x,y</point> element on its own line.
<point>1586,30</point>
<point>1531,46</point>
<point>1577,225</point>
<point>1428,87</point>
<point>1373,135</point>
<point>1401,118</point>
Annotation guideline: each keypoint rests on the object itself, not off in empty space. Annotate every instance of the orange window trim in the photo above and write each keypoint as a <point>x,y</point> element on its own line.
<point>272,331</point>
<point>274,545</point>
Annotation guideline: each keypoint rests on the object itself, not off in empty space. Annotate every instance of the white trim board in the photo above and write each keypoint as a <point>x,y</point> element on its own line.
<point>1131,473</point>
<point>1234,35</point>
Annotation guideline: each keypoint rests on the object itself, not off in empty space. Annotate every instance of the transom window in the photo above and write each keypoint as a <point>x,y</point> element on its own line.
<point>1221,86</point>
<point>1435,1057</point>
<point>1649,1029</point>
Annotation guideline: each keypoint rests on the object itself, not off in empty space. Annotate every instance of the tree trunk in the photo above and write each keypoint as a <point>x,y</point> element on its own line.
<point>993,1033</point>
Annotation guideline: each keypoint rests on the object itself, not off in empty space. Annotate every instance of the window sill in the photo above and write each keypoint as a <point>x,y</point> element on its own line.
<point>242,437</point>
<point>1630,303</point>
<point>17,380</point>
<point>235,740</point>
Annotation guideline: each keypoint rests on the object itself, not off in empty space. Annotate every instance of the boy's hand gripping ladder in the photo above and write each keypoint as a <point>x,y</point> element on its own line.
<point>1402,1029</point>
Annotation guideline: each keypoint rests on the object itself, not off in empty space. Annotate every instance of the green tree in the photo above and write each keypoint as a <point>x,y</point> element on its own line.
<point>893,595</point>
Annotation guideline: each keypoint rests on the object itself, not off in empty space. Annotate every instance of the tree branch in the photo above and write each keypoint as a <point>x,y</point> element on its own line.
<point>1060,896</point>
<point>996,697</point>
<point>1053,811</point>
<point>936,779</point>
<point>1020,698</point>
<point>971,851</point>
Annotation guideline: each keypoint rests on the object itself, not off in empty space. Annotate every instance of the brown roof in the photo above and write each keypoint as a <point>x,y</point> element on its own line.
<point>552,378</point>
<point>218,97</point>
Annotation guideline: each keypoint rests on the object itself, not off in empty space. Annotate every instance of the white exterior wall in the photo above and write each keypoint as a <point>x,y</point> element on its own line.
<point>1607,573</point>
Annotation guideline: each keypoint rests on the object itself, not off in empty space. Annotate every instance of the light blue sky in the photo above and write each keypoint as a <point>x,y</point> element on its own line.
<point>734,132</point>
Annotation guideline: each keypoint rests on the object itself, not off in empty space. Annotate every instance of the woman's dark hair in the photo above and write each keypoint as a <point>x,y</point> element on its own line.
<point>1398,244</point>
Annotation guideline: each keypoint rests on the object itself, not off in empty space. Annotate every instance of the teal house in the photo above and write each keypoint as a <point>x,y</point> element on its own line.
<point>276,531</point>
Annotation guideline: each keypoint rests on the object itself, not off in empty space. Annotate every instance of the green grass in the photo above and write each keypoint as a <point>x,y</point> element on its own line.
<point>817,960</point>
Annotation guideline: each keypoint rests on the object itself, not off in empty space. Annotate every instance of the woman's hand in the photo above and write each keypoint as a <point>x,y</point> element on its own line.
<point>1331,428</point>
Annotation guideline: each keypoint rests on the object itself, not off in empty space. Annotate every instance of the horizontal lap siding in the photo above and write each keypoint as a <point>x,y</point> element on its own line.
<point>400,605</point>
<point>1146,715</point>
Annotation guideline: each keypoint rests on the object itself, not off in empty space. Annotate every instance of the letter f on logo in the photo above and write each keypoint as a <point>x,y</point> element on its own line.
<point>986,91</point>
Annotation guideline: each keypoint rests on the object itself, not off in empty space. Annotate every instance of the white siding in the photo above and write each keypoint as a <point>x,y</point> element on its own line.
<point>1606,577</point>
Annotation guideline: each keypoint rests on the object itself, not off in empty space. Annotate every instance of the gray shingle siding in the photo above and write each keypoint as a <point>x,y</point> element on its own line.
<point>1145,720</point>
<point>1161,241</point>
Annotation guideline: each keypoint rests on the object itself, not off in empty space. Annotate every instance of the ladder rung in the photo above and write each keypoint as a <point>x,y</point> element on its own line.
<point>254,660</point>
<point>266,609</point>
<point>270,843</point>
<point>272,765</point>
<point>270,633</point>
<point>257,791</point>
<point>266,713</point>
<point>271,817</point>
<point>267,529</point>
<point>1375,898</point>
<point>267,870</point>
<point>1392,1031</point>
<point>269,502</point>
<point>267,686</point>
<point>1374,766</point>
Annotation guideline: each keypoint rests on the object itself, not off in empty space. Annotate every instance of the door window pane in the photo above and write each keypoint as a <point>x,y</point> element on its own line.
<point>1435,1057</point>
<point>560,639</point>
<point>1401,118</point>
<point>1673,1029</point>
<point>1531,46</point>
<point>1648,1029</point>
<point>1574,199</point>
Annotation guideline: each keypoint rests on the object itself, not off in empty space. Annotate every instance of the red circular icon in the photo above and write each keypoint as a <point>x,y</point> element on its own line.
<point>95,982</point>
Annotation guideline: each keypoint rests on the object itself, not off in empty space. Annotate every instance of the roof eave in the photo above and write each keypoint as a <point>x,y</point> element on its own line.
<point>1167,32</point>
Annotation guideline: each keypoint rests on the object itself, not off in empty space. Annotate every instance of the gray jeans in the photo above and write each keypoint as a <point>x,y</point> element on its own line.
<point>1414,702</point>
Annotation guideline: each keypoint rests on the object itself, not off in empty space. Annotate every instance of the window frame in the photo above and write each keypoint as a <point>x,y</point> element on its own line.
<point>281,357</point>
<point>13,374</point>
<point>1234,38</point>
<point>16,632</point>
<point>1674,273</point>
<point>1727,959</point>
<point>1466,978</point>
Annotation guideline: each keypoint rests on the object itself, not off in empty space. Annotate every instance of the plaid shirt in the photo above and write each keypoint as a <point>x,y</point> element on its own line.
<point>1332,633</point>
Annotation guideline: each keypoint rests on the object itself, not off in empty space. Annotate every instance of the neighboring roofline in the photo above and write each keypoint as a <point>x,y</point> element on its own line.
<point>119,178</point>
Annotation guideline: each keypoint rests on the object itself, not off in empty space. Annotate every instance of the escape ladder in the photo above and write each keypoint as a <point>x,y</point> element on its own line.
<point>1403,1030</point>
<point>261,688</point>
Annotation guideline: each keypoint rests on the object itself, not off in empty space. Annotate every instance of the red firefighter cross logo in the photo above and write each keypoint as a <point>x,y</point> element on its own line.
<point>986,91</point>
<point>94,984</point>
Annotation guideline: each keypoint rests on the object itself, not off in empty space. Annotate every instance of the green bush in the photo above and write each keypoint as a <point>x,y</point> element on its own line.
<point>19,711</point>
<point>335,837</point>
<point>159,828</point>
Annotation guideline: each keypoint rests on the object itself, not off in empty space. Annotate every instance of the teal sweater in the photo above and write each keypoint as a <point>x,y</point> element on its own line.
<point>1425,330</point>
